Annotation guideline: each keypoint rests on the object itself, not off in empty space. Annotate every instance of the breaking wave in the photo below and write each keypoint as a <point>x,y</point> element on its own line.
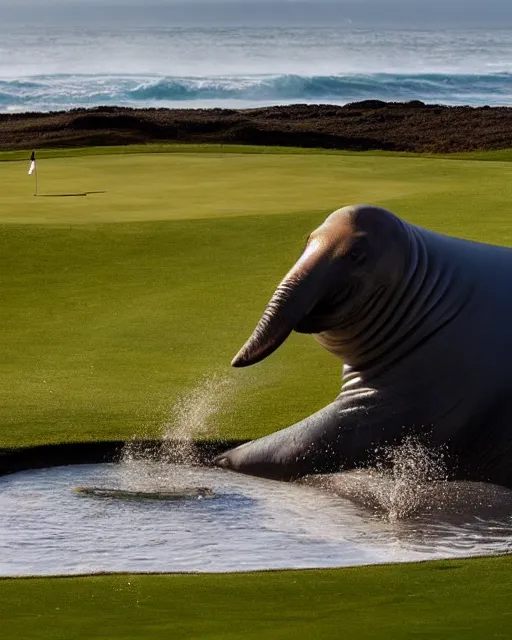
<point>54,92</point>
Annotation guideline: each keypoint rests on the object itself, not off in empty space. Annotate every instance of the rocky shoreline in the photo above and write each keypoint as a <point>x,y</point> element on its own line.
<point>362,126</point>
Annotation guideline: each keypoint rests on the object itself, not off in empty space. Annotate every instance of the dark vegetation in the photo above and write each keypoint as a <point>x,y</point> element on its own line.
<point>17,459</point>
<point>361,126</point>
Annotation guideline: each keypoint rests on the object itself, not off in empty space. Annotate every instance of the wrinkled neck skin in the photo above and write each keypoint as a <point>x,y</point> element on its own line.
<point>380,328</point>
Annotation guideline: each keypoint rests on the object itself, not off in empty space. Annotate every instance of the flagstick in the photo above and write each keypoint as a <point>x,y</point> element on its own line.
<point>33,167</point>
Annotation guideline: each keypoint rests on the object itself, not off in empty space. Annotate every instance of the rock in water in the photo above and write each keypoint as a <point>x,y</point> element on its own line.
<point>185,493</point>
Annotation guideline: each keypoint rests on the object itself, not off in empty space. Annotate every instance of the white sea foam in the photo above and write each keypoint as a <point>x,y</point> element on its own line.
<point>47,68</point>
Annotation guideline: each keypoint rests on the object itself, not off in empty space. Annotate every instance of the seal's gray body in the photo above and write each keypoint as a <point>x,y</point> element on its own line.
<point>429,352</point>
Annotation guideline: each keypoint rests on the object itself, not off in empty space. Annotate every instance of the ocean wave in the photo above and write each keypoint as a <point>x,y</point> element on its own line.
<point>51,92</point>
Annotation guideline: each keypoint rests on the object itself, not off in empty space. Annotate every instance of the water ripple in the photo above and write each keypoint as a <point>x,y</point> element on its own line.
<point>46,528</point>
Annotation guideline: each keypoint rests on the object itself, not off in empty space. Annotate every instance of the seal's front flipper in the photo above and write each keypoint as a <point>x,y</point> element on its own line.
<point>342,435</point>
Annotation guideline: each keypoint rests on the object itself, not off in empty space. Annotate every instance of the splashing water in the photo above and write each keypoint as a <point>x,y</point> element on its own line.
<point>415,470</point>
<point>408,479</point>
<point>192,416</point>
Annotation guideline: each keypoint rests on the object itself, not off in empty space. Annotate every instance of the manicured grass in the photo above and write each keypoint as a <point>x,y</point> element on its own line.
<point>504,155</point>
<point>116,303</point>
<point>464,600</point>
<point>185,186</point>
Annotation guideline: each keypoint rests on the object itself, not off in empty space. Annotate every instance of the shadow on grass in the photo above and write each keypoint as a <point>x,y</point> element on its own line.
<point>68,195</point>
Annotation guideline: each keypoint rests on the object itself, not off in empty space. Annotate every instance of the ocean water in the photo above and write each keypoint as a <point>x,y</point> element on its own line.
<point>120,58</point>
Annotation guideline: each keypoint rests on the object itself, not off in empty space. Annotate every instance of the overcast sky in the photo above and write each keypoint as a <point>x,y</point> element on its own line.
<point>145,3</point>
<point>462,4</point>
<point>360,13</point>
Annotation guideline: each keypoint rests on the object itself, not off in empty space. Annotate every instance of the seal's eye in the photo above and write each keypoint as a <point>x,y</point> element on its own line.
<point>357,252</point>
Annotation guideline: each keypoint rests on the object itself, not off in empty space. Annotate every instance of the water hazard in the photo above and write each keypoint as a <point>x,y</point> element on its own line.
<point>249,523</point>
<point>403,510</point>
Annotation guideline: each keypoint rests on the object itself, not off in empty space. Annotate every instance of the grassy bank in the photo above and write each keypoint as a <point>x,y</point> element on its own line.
<point>117,303</point>
<point>498,155</point>
<point>428,600</point>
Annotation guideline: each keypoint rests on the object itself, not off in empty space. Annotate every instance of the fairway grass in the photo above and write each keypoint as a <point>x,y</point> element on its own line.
<point>117,303</point>
<point>456,600</point>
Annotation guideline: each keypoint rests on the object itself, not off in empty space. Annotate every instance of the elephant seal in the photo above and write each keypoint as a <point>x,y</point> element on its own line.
<point>423,324</point>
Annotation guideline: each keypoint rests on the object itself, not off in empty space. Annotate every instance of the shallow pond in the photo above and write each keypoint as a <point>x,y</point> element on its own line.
<point>47,528</point>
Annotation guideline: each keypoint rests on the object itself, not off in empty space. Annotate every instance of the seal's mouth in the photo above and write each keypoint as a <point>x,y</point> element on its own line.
<point>328,312</point>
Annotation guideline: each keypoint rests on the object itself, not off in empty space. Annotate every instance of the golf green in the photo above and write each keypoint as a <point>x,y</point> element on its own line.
<point>117,303</point>
<point>121,307</point>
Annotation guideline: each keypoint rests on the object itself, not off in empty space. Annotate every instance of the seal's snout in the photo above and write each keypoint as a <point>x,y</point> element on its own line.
<point>240,360</point>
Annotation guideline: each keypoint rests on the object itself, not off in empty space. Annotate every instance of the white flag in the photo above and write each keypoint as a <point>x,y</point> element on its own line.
<point>32,164</point>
